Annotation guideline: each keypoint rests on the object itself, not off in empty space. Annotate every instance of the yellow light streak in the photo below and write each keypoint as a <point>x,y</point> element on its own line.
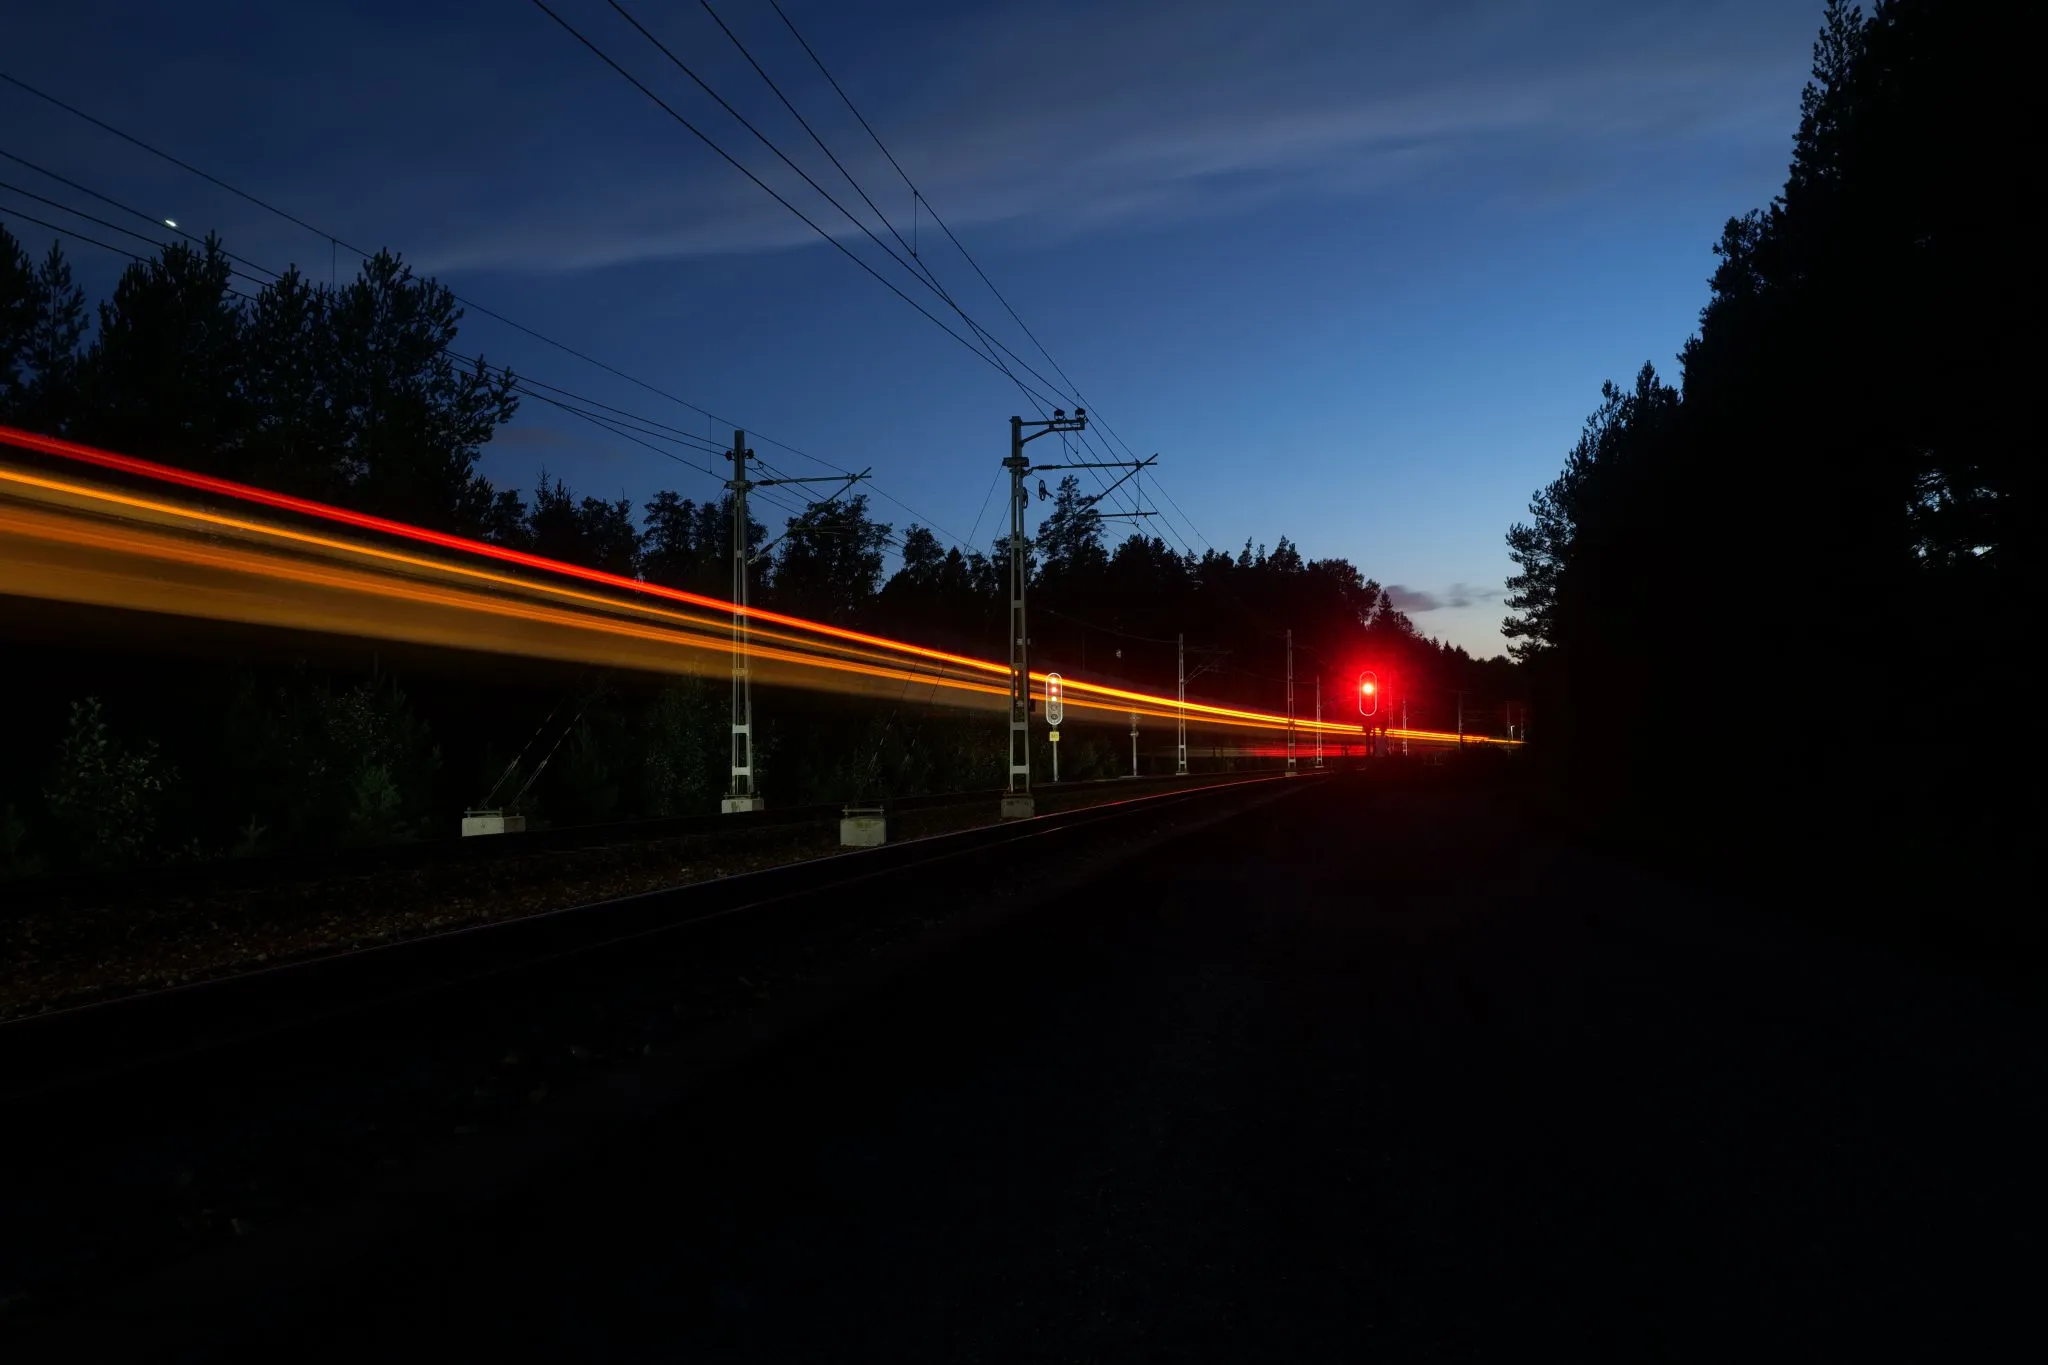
<point>65,540</point>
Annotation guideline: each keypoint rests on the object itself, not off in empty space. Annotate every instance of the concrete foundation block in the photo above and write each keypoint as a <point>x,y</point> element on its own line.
<point>863,827</point>
<point>491,822</point>
<point>741,805</point>
<point>1020,807</point>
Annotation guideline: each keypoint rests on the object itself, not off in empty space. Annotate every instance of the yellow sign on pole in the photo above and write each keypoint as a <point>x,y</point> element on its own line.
<point>1054,735</point>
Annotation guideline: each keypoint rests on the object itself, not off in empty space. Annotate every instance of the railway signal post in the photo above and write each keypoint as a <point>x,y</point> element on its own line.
<point>1017,802</point>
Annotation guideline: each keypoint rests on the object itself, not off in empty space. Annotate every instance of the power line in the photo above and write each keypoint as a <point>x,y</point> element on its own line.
<point>987,351</point>
<point>918,197</point>
<point>984,503</point>
<point>88,191</point>
<point>912,249</point>
<point>1127,503</point>
<point>519,382</point>
<point>764,140</point>
<point>158,243</point>
<point>778,502</point>
<point>77,236</point>
<point>607,424</point>
<point>661,430</point>
<point>182,165</point>
<point>665,431</point>
<point>734,162</point>
<point>1183,516</point>
<point>268,207</point>
<point>302,223</point>
<point>920,519</point>
<point>921,270</point>
<point>615,429</point>
<point>615,425</point>
<point>74,235</point>
<point>333,239</point>
<point>892,538</point>
<point>986,355</point>
<point>926,521</point>
<point>1127,635</point>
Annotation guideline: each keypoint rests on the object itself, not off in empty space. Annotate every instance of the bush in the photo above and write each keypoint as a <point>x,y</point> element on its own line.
<point>683,743</point>
<point>311,763</point>
<point>104,798</point>
<point>15,861</point>
<point>376,807</point>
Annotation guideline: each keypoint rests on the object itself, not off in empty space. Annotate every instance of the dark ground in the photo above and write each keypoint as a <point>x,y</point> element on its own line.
<point>1363,1074</point>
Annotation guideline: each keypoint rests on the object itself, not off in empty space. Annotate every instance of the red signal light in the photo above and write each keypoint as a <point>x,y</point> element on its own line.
<point>1368,693</point>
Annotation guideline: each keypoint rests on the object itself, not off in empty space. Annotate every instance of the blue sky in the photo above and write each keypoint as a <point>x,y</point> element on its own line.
<point>1355,270</point>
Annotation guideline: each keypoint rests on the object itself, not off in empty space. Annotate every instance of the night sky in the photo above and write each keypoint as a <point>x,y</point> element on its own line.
<point>1355,270</point>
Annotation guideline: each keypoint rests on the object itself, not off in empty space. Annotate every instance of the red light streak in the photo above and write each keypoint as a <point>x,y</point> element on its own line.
<point>206,483</point>
<point>871,655</point>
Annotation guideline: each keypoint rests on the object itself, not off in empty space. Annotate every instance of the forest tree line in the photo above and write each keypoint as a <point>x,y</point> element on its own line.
<point>1780,605</point>
<point>360,395</point>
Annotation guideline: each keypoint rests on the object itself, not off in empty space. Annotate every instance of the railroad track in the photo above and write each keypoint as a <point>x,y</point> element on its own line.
<point>149,1129</point>
<point>36,893</point>
<point>89,1044</point>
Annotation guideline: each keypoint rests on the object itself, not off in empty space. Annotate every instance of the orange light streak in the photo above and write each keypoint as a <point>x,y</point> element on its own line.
<point>853,653</point>
<point>101,500</point>
<point>159,547</point>
<point>127,464</point>
<point>176,515</point>
<point>143,572</point>
<point>1450,737</point>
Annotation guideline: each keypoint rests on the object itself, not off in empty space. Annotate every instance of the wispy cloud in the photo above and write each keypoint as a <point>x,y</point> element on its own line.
<point>495,141</point>
<point>1412,600</point>
<point>1464,595</point>
<point>1167,112</point>
<point>1457,596</point>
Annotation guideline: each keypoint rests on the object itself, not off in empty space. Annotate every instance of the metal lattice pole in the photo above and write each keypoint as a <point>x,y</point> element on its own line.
<point>1180,762</point>
<point>1319,720</point>
<point>1017,799</point>
<point>742,796</point>
<point>1290,703</point>
<point>1020,672</point>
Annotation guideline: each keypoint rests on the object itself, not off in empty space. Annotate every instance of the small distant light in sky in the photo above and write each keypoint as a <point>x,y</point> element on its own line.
<point>170,222</point>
